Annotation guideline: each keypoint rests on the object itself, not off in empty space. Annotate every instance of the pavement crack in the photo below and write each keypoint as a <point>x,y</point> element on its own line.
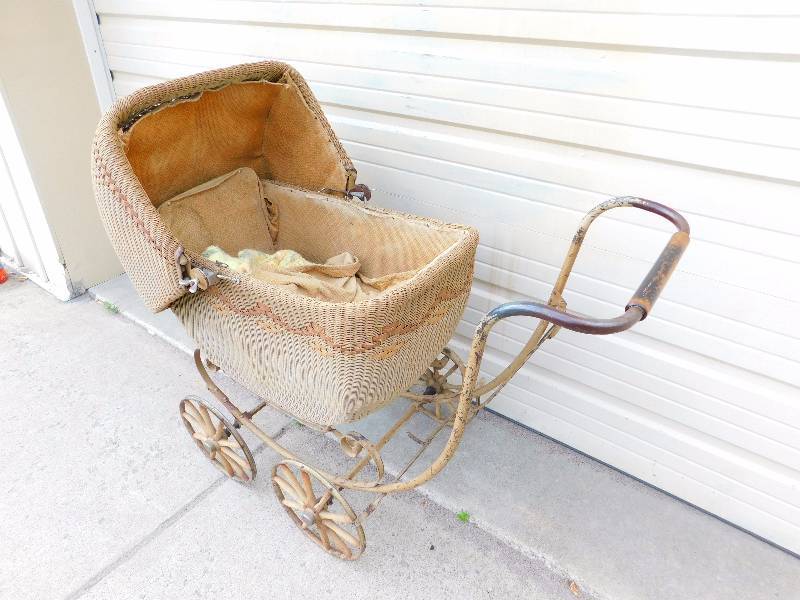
<point>145,541</point>
<point>160,528</point>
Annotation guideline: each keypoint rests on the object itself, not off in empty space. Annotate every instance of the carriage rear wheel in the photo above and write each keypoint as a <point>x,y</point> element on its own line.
<point>318,509</point>
<point>217,439</point>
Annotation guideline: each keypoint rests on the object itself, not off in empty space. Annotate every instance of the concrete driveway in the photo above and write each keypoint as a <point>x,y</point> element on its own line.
<point>103,495</point>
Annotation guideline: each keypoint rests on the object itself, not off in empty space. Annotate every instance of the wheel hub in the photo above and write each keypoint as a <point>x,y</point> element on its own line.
<point>307,516</point>
<point>210,445</point>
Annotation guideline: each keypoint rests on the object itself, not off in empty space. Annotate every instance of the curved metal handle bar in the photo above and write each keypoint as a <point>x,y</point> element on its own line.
<point>648,291</point>
<point>568,320</point>
<point>637,308</point>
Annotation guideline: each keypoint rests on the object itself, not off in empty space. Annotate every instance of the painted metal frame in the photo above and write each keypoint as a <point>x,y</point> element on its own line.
<point>448,405</point>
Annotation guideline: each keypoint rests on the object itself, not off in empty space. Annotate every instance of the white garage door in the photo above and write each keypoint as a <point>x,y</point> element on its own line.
<point>517,116</point>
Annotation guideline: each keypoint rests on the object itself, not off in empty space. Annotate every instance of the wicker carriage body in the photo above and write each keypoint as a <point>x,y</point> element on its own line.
<point>324,357</point>
<point>323,362</point>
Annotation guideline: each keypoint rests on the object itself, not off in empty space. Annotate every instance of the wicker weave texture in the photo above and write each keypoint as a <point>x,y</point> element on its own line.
<point>324,363</point>
<point>143,244</point>
<point>327,363</point>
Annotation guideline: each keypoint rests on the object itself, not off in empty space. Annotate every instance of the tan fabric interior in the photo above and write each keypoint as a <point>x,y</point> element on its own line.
<point>262,125</point>
<point>220,165</point>
<point>239,212</point>
<point>229,211</point>
<point>296,147</point>
<point>319,227</point>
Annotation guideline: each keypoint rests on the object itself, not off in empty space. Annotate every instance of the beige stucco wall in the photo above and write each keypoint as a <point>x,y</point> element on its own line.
<point>48,87</point>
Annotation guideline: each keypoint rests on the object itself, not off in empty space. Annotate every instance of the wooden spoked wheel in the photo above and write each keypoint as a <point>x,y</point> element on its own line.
<point>217,439</point>
<point>318,509</point>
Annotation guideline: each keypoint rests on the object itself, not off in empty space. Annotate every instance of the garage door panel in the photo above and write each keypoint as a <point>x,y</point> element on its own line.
<point>711,190</point>
<point>510,272</point>
<point>335,84</point>
<point>735,473</point>
<point>774,399</point>
<point>693,191</point>
<point>691,339</point>
<point>547,238</point>
<point>711,7</point>
<point>717,417</point>
<point>707,385</point>
<point>750,239</point>
<point>519,120</point>
<point>655,465</point>
<point>695,331</point>
<point>771,155</point>
<point>697,32</point>
<point>740,83</point>
<point>639,245</point>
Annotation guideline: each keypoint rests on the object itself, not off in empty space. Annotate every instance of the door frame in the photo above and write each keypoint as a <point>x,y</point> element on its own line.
<point>28,225</point>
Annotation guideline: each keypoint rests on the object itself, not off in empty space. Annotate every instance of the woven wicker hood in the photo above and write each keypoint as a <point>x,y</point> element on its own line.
<point>166,138</point>
<point>322,362</point>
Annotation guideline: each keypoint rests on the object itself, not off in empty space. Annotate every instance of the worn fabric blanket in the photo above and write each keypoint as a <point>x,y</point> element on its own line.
<point>336,280</point>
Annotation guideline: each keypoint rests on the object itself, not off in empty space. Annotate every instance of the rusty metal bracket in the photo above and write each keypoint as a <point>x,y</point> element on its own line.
<point>358,192</point>
<point>194,278</point>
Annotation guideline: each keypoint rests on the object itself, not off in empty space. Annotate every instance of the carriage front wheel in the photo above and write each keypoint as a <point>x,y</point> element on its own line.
<point>217,439</point>
<point>318,509</point>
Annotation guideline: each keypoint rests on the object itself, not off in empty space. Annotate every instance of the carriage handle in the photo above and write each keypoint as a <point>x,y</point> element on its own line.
<point>642,301</point>
<point>554,312</point>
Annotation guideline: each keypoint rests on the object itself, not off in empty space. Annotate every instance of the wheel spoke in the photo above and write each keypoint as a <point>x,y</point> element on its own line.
<point>337,541</point>
<point>335,517</point>
<point>310,497</point>
<point>286,488</point>
<point>195,422</point>
<point>292,480</point>
<point>335,527</point>
<point>237,461</point>
<point>189,407</point>
<point>323,534</point>
<point>292,504</point>
<point>347,537</point>
<point>220,430</point>
<point>224,464</point>
<point>207,420</point>
<point>240,472</point>
<point>237,468</point>
<point>234,457</point>
<point>314,536</point>
<point>323,501</point>
<point>217,439</point>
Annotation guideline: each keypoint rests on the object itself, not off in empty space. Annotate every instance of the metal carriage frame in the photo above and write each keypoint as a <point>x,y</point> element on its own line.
<point>313,497</point>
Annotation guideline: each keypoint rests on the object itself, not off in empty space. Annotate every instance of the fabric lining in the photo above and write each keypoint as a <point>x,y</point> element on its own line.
<point>323,362</point>
<point>229,211</point>
<point>266,126</point>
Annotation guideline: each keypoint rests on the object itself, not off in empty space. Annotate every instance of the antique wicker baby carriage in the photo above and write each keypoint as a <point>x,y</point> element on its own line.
<point>245,158</point>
